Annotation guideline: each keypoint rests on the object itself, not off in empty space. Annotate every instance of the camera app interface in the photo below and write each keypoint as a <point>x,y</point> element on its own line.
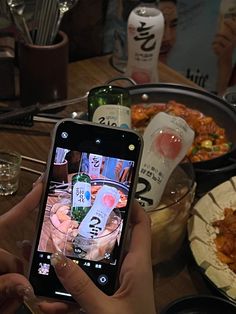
<point>85,206</point>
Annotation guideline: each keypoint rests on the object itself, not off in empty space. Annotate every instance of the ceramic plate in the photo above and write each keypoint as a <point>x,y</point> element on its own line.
<point>201,235</point>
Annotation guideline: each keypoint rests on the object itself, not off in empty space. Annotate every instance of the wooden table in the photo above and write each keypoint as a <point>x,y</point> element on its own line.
<point>181,279</point>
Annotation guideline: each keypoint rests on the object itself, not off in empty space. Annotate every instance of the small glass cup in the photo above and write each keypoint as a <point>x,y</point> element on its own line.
<point>169,219</point>
<point>9,172</point>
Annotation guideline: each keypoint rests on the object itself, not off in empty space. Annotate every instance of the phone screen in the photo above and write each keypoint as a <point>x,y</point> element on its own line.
<point>85,208</point>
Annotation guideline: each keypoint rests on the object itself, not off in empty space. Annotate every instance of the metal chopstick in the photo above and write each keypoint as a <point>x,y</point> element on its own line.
<point>34,109</point>
<point>45,119</point>
<point>38,161</point>
<point>31,170</point>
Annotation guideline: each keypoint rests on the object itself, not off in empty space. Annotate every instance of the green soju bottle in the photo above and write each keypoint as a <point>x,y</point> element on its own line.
<point>110,105</point>
<point>81,196</point>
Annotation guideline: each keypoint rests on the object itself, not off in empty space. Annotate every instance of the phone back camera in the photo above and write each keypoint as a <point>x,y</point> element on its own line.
<point>64,135</point>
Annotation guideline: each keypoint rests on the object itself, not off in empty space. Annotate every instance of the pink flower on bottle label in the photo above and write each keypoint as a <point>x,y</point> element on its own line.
<point>141,77</point>
<point>168,144</point>
<point>109,200</point>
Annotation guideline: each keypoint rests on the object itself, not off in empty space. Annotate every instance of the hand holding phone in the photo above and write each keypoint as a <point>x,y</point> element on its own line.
<point>85,208</point>
<point>135,293</point>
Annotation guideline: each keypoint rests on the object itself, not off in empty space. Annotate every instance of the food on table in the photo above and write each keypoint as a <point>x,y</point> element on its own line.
<point>226,238</point>
<point>64,228</point>
<point>212,236</point>
<point>210,139</point>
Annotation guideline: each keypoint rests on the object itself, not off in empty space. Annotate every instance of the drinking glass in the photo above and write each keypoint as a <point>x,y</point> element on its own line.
<point>9,172</point>
<point>65,238</point>
<point>169,219</point>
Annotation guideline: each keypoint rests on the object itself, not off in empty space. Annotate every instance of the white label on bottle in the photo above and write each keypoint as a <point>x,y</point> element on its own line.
<point>95,220</point>
<point>166,141</point>
<point>113,115</point>
<point>81,194</point>
<point>144,40</point>
<point>95,163</point>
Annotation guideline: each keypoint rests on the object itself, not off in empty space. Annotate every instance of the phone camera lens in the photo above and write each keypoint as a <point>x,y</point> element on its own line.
<point>131,147</point>
<point>98,141</point>
<point>64,134</point>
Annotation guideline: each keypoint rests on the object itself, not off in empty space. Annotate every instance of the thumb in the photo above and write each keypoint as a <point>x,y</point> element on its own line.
<point>14,290</point>
<point>78,284</point>
<point>14,285</point>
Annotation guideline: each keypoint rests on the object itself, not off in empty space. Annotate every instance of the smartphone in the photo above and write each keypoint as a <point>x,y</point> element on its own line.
<point>84,212</point>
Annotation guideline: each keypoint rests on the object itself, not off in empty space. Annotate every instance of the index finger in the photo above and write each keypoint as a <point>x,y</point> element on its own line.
<point>78,284</point>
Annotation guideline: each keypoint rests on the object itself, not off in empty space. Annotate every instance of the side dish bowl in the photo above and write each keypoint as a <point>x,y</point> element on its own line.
<point>200,304</point>
<point>213,258</point>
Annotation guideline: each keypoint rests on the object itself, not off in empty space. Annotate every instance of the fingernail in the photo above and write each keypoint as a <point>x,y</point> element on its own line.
<point>26,292</point>
<point>58,260</point>
<point>40,179</point>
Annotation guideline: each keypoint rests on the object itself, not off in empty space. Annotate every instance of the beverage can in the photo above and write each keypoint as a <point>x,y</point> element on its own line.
<point>145,32</point>
<point>95,164</point>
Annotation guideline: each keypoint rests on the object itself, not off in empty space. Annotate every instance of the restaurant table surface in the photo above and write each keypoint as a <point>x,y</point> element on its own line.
<point>172,280</point>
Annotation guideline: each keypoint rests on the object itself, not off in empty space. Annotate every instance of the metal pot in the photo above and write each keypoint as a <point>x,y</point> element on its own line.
<point>209,178</point>
<point>211,172</point>
<point>208,104</point>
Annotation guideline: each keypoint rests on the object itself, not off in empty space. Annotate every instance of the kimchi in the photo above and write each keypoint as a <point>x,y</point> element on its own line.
<point>226,238</point>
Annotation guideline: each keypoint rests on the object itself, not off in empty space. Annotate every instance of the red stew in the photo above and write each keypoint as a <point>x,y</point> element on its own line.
<point>210,139</point>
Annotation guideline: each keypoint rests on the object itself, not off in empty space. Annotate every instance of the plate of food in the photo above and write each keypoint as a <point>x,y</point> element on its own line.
<point>212,236</point>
